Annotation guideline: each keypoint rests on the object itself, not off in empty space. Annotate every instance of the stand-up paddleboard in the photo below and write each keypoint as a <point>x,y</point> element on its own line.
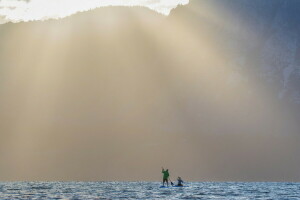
<point>162,186</point>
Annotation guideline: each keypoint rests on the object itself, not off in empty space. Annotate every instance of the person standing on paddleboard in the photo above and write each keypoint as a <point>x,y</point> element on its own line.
<point>165,176</point>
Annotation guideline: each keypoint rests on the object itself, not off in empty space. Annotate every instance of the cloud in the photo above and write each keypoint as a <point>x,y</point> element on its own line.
<point>33,10</point>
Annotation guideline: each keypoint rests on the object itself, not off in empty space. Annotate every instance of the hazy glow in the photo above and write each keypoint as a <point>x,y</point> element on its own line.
<point>118,97</point>
<point>31,10</point>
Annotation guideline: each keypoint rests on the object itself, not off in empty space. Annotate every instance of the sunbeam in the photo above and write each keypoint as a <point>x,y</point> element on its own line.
<point>116,92</point>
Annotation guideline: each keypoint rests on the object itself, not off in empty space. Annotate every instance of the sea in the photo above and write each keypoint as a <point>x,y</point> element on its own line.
<point>149,190</point>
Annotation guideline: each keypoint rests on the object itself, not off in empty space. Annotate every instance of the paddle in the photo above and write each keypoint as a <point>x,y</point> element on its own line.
<point>171,182</point>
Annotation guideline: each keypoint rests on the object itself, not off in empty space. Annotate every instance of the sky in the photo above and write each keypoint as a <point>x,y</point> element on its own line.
<point>32,10</point>
<point>116,93</point>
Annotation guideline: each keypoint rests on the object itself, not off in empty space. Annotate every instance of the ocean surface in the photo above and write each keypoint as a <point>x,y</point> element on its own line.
<point>148,190</point>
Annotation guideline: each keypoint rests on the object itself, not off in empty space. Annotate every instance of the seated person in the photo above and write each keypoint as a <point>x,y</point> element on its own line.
<point>180,181</point>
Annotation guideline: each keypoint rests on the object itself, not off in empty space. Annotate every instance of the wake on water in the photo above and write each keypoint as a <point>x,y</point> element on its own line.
<point>147,190</point>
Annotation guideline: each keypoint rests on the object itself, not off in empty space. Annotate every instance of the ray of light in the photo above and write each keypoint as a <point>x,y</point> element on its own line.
<point>116,91</point>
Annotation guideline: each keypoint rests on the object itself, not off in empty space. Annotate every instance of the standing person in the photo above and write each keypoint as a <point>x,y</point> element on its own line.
<point>165,176</point>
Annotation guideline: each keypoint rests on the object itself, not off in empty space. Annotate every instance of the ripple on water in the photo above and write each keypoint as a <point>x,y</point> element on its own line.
<point>147,190</point>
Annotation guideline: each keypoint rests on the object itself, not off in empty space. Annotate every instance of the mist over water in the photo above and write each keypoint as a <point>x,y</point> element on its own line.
<point>116,93</point>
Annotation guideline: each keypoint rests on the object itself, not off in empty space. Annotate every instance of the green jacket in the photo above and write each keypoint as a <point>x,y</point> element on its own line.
<point>166,174</point>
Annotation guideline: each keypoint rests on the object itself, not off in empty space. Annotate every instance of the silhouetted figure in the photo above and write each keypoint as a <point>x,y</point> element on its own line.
<point>179,182</point>
<point>165,176</point>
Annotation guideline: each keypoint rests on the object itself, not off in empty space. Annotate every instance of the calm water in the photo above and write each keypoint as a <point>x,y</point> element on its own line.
<point>147,190</point>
